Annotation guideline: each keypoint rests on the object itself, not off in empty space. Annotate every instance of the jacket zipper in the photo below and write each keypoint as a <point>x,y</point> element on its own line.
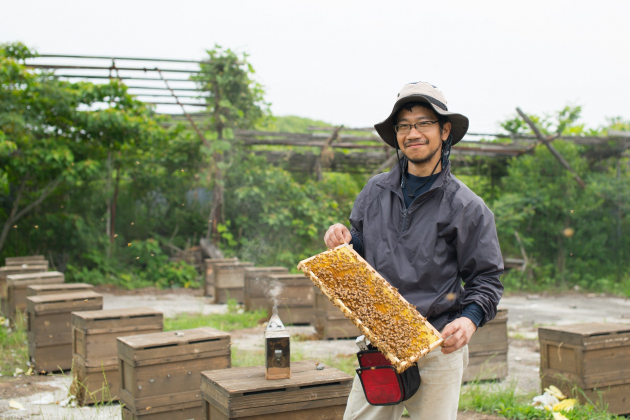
<point>404,220</point>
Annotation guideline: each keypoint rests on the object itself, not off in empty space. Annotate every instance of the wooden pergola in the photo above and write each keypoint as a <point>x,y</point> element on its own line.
<point>165,82</point>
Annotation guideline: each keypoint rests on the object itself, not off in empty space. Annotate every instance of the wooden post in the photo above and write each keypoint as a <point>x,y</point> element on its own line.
<point>326,156</point>
<point>552,149</point>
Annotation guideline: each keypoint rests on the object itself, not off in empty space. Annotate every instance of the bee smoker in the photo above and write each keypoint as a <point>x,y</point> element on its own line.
<point>277,350</point>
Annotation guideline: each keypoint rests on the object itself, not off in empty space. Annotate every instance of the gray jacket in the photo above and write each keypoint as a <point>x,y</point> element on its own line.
<point>446,236</point>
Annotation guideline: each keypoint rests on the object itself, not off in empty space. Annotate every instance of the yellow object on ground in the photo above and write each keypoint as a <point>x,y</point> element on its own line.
<point>565,405</point>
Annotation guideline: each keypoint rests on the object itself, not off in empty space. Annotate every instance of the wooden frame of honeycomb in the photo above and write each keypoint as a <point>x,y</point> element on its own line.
<point>390,322</point>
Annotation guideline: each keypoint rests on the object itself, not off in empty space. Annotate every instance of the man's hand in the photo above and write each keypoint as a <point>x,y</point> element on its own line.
<point>457,334</point>
<point>337,235</point>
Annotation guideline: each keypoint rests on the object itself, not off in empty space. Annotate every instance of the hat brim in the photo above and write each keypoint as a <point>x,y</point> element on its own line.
<point>385,129</point>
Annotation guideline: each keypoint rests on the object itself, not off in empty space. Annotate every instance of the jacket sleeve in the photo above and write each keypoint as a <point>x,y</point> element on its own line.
<point>479,258</point>
<point>356,216</point>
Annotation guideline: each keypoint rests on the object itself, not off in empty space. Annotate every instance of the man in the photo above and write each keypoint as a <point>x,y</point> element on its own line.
<point>425,232</point>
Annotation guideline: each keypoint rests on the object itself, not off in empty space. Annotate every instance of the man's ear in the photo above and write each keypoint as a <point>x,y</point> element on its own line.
<point>446,131</point>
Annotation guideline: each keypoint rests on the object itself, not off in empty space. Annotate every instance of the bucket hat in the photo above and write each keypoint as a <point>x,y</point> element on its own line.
<point>422,92</point>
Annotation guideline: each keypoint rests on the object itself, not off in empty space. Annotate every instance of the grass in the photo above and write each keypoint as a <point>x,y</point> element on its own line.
<point>13,346</point>
<point>502,400</point>
<point>234,319</point>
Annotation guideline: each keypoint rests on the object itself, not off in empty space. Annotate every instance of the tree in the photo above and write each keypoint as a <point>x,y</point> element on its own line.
<point>54,132</point>
<point>234,100</point>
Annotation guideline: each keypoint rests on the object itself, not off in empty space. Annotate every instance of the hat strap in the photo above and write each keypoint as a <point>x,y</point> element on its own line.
<point>446,150</point>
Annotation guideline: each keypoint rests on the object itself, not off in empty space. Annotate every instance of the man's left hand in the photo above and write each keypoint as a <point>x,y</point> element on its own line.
<point>457,334</point>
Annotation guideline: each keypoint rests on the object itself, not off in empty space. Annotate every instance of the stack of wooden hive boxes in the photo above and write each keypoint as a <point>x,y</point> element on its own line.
<point>488,349</point>
<point>161,372</point>
<point>18,265</point>
<point>49,327</point>
<point>229,281</point>
<point>209,283</point>
<point>329,320</point>
<point>17,285</point>
<point>594,357</point>
<point>295,300</point>
<point>95,352</point>
<point>257,285</point>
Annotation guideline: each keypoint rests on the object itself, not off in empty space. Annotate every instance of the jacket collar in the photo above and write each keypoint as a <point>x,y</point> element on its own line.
<point>392,180</point>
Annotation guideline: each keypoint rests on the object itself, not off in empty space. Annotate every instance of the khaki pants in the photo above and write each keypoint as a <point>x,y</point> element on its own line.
<point>436,399</point>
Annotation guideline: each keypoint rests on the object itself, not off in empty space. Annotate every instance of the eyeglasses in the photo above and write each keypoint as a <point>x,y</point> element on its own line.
<point>421,126</point>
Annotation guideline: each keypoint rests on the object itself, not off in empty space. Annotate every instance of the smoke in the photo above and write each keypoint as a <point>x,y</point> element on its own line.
<point>272,289</point>
<point>273,293</point>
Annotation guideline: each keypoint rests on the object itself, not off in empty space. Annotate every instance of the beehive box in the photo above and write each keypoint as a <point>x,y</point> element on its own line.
<point>55,289</point>
<point>487,350</point>
<point>296,299</point>
<point>95,351</point>
<point>17,284</point>
<point>329,320</point>
<point>49,327</point>
<point>32,259</point>
<point>257,284</point>
<point>209,273</point>
<point>161,372</point>
<point>390,322</point>
<point>22,269</point>
<point>229,281</point>
<point>594,356</point>
<point>244,393</point>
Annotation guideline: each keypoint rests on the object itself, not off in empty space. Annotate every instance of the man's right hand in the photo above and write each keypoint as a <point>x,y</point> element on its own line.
<point>337,235</point>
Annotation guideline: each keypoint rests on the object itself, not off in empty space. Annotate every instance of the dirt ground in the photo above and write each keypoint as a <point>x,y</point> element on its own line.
<point>526,314</point>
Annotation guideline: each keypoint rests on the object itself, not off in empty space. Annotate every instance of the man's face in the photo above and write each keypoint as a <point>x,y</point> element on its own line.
<point>416,146</point>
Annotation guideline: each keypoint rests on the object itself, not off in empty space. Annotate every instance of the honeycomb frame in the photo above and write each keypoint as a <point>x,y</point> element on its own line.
<point>401,313</point>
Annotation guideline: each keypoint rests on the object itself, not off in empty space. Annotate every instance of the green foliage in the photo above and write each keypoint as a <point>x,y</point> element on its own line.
<point>76,147</point>
<point>234,319</point>
<point>572,236</point>
<point>276,220</point>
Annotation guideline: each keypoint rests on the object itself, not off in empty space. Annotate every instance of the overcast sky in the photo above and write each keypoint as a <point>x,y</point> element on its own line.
<point>345,61</point>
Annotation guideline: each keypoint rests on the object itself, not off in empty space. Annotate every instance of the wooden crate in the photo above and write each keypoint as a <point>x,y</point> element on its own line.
<point>17,284</point>
<point>209,273</point>
<point>257,286</point>
<point>9,270</point>
<point>594,356</point>
<point>185,411</point>
<point>94,384</point>
<point>49,327</point>
<point>487,350</point>
<point>95,350</point>
<point>296,300</point>
<point>161,372</point>
<point>32,259</point>
<point>329,320</point>
<point>244,393</point>
<point>53,289</point>
<point>229,281</point>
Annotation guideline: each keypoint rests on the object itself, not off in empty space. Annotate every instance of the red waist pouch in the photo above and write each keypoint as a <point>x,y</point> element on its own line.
<point>382,385</point>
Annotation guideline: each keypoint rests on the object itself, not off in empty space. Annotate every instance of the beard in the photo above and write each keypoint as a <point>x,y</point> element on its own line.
<point>427,158</point>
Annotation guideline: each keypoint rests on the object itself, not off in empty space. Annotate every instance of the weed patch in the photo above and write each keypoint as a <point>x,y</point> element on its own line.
<point>13,346</point>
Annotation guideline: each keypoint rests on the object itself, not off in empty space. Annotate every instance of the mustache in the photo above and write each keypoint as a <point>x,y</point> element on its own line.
<point>412,142</point>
